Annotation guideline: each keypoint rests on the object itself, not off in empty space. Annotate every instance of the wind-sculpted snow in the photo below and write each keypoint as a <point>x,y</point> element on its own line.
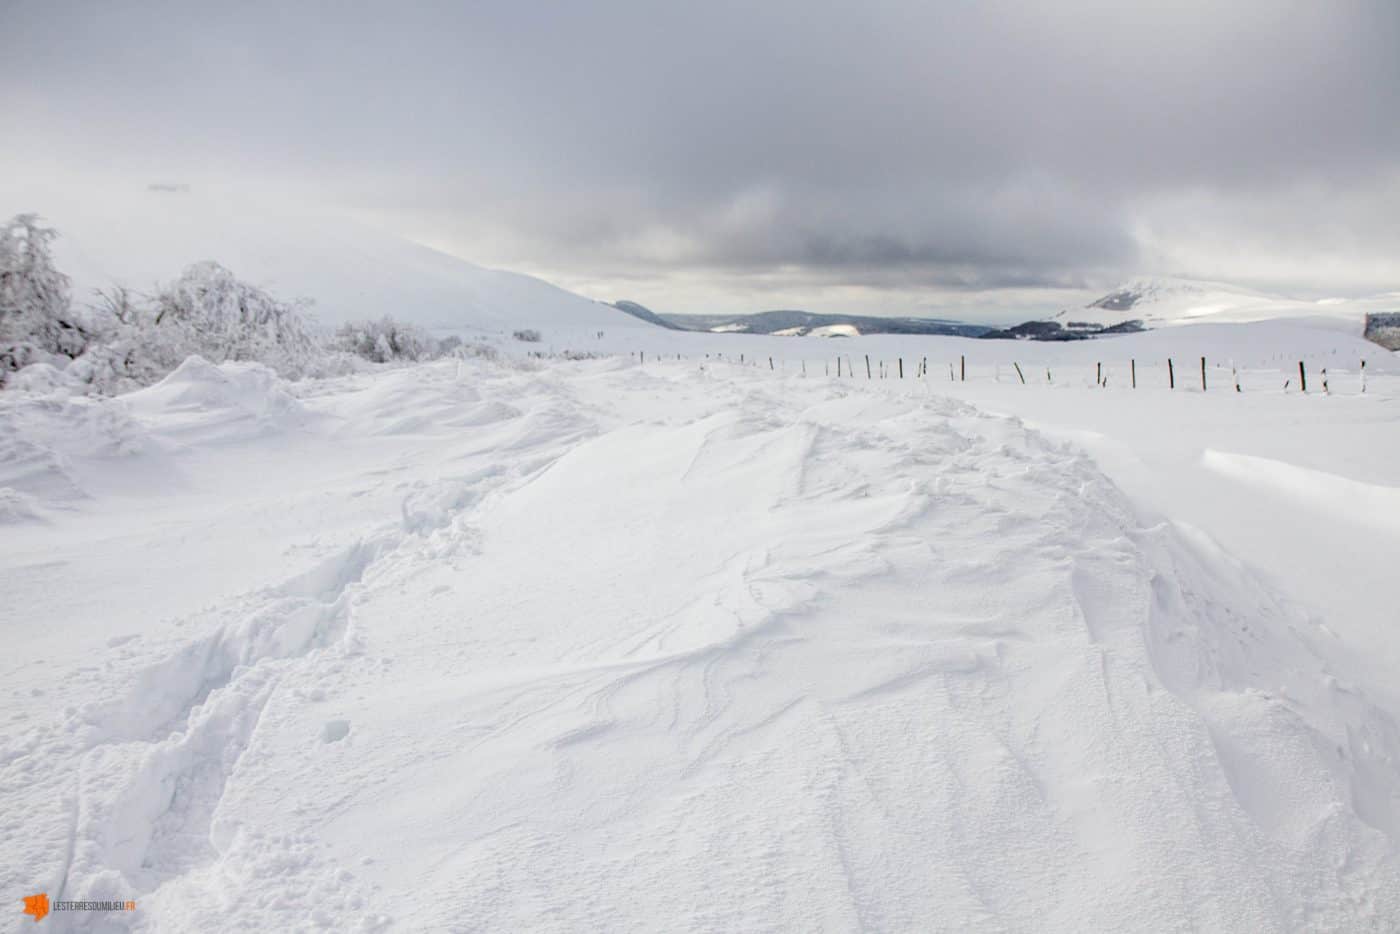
<point>217,400</point>
<point>597,646</point>
<point>52,448</point>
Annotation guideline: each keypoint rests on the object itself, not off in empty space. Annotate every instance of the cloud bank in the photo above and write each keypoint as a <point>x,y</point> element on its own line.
<point>949,157</point>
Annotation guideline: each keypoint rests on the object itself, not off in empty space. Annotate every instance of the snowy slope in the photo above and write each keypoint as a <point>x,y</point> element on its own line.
<point>1162,302</point>
<point>661,647</point>
<point>351,271</point>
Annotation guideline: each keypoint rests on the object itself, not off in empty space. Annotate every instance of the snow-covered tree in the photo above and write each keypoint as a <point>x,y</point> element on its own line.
<point>37,321</point>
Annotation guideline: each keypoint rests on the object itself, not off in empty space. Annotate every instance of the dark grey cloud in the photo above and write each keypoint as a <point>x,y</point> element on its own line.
<point>918,148</point>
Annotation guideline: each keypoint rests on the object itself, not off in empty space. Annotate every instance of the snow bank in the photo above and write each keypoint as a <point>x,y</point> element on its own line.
<point>199,385</point>
<point>57,449</point>
<point>53,447</point>
<point>1327,497</point>
<point>230,400</point>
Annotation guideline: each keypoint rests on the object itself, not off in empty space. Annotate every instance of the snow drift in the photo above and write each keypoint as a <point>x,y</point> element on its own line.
<point>677,646</point>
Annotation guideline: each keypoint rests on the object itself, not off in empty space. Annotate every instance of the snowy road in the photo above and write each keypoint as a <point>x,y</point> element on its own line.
<point>595,646</point>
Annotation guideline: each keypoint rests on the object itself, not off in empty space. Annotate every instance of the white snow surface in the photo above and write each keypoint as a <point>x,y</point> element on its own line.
<point>693,645</point>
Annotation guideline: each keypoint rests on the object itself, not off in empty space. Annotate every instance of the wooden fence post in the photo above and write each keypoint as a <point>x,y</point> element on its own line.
<point>1302,377</point>
<point>1133,366</point>
<point>962,363</point>
<point>901,368</point>
<point>867,366</point>
<point>1171,375</point>
<point>1203,374</point>
<point>1019,373</point>
<point>770,363</point>
<point>1098,374</point>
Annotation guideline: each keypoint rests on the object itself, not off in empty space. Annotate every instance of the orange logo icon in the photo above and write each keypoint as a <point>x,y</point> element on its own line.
<point>37,905</point>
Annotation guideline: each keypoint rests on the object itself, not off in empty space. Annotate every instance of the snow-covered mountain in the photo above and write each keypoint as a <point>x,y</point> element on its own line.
<point>1160,302</point>
<point>351,271</point>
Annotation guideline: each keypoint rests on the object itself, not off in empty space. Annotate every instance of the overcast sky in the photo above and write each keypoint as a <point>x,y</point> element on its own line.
<point>920,157</point>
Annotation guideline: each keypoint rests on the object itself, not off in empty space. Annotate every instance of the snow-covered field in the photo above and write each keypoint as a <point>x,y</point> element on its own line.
<point>694,645</point>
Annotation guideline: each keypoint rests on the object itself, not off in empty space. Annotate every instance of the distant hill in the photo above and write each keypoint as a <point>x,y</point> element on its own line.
<point>1140,304</point>
<point>1163,302</point>
<point>140,236</point>
<point>645,314</point>
<point>1384,328</point>
<point>1055,331</point>
<point>792,323</point>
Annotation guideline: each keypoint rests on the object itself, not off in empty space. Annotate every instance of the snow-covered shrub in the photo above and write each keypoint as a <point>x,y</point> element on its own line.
<point>528,335</point>
<point>37,322</point>
<point>210,312</point>
<point>207,312</point>
<point>384,340</point>
<point>128,340</point>
<point>476,349</point>
<point>128,350</point>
